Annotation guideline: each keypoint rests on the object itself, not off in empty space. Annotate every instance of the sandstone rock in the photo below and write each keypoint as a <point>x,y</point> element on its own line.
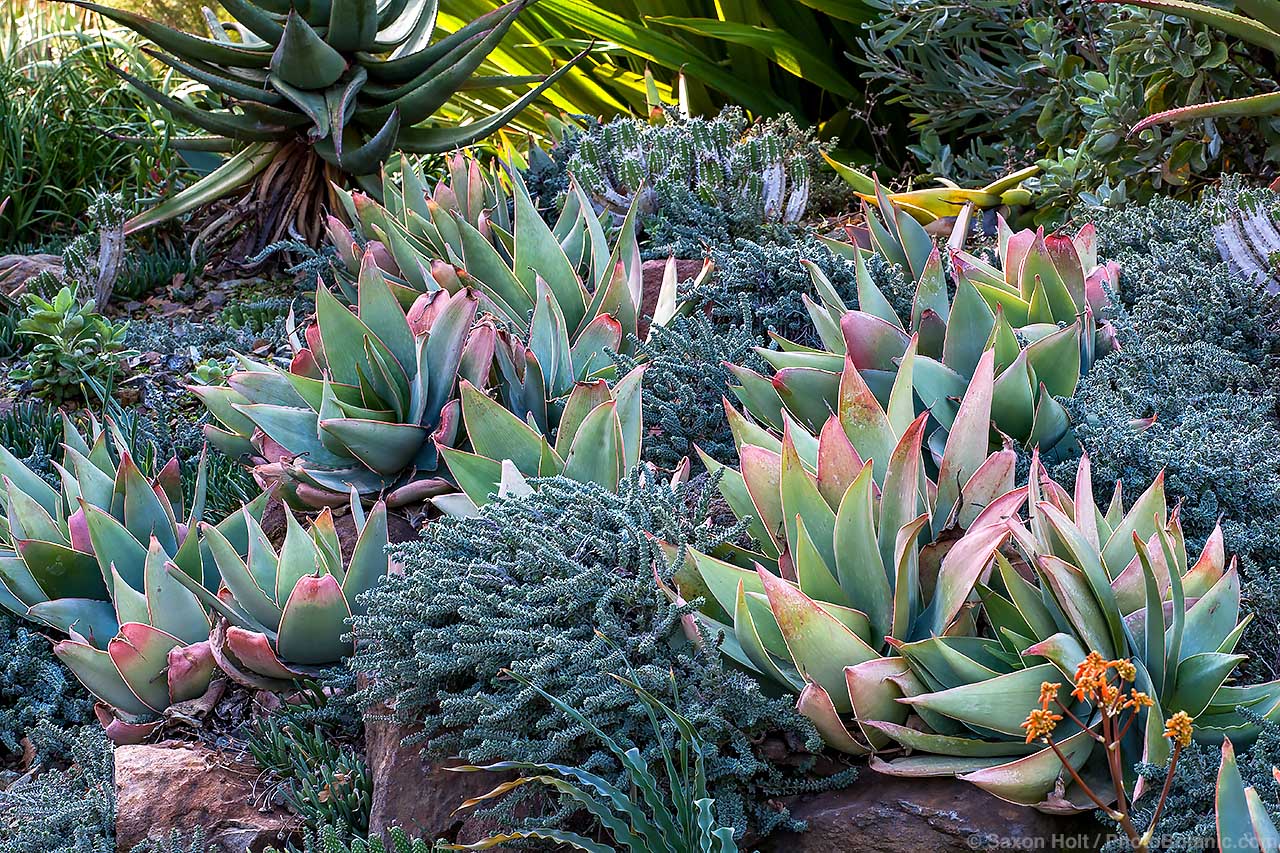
<point>167,786</point>
<point>420,797</point>
<point>652,284</point>
<point>885,814</point>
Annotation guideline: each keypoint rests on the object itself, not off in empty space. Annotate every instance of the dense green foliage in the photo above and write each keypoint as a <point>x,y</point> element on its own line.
<point>725,177</point>
<point>307,748</point>
<point>34,687</point>
<point>525,586</point>
<point>63,115</point>
<point>333,840</point>
<point>771,276</point>
<point>996,83</point>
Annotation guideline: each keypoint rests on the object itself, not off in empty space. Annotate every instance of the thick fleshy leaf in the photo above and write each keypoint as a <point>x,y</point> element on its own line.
<point>96,672</point>
<point>60,572</point>
<point>315,619</point>
<point>170,606</point>
<point>1028,781</point>
<point>141,654</point>
<point>496,433</point>
<point>596,455</point>
<point>875,695</point>
<point>815,704</point>
<point>999,703</point>
<point>872,343</point>
<point>368,559</point>
<point>820,644</point>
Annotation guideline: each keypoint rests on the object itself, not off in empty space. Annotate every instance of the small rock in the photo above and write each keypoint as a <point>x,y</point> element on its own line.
<point>168,786</point>
<point>417,796</point>
<point>884,814</point>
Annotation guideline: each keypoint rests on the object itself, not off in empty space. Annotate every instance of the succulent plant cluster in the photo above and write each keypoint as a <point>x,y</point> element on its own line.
<point>759,174</point>
<point>284,612</point>
<point>1039,312</point>
<point>154,600</point>
<point>501,355</point>
<point>925,615</point>
<point>98,560</point>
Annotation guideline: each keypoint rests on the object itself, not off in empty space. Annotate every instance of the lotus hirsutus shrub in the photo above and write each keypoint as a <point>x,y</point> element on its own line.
<point>773,278</point>
<point>680,819</point>
<point>525,585</point>
<point>70,809</point>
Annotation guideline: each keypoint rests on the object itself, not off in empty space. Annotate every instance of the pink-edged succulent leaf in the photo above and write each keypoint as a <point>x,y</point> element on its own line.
<point>95,670</point>
<point>1030,780</point>
<point>123,732</point>
<point>875,695</point>
<point>191,668</point>
<point>872,343</point>
<point>815,704</point>
<point>820,644</point>
<point>314,622</point>
<point>969,436</point>
<point>141,655</point>
<point>838,462</point>
<point>253,652</point>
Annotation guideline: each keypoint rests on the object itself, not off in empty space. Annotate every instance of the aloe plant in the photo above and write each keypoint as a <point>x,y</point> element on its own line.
<point>856,551</point>
<point>365,403</point>
<point>1039,313</point>
<point>1112,581</point>
<point>1243,822</point>
<point>312,93</point>
<point>284,613</point>
<point>93,559</point>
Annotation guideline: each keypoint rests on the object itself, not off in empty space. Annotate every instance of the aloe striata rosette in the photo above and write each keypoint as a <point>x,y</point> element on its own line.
<point>284,613</point>
<point>366,402</point>
<point>1039,312</point>
<point>93,561</point>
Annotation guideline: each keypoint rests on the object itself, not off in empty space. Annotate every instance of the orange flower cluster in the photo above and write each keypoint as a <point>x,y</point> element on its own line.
<point>1094,685</point>
<point>1041,721</point>
<point>1178,729</point>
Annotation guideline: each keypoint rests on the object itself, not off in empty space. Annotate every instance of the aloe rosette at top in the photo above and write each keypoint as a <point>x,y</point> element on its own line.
<point>1038,313</point>
<point>284,613</point>
<point>89,560</point>
<point>367,400</point>
<point>564,297</point>
<point>416,222</point>
<point>858,554</point>
<point>1080,579</point>
<point>308,93</point>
